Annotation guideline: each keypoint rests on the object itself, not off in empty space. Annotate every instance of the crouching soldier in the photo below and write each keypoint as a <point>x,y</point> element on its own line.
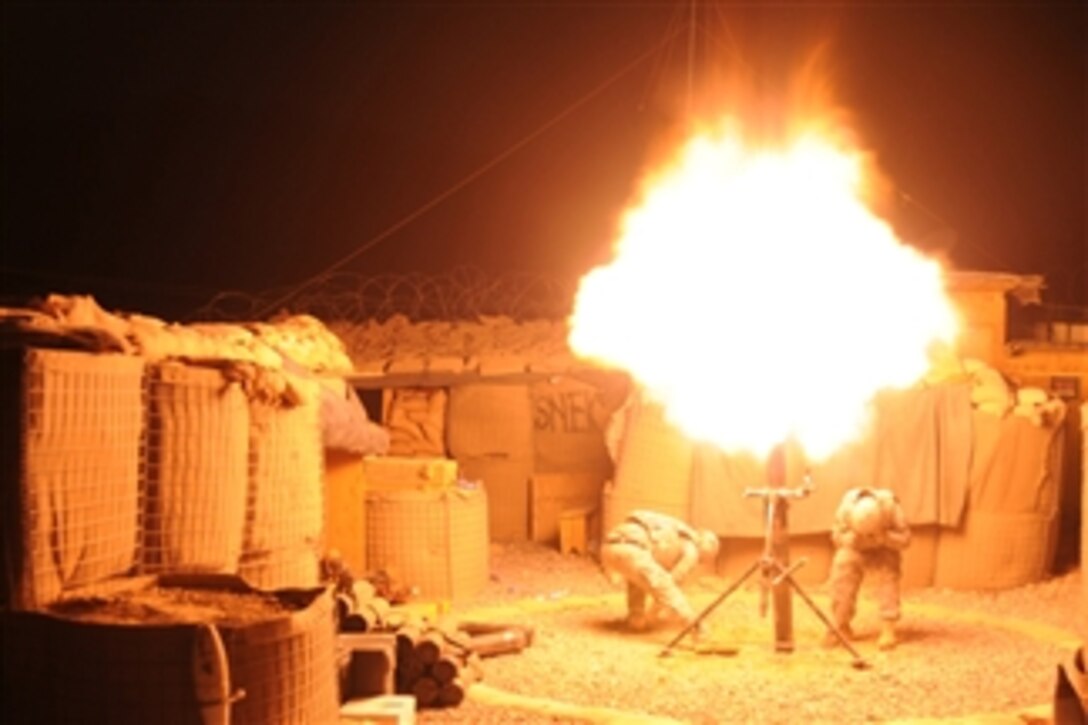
<point>869,533</point>
<point>653,553</point>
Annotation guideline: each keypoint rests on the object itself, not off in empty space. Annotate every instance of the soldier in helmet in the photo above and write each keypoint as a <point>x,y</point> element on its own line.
<point>653,553</point>
<point>869,534</point>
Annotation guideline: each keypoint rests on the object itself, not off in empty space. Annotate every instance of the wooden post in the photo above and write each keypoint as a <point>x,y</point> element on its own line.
<point>782,601</point>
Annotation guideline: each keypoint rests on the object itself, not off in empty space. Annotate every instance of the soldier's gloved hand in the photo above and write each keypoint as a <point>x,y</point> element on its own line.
<point>897,540</point>
<point>866,542</point>
<point>654,613</point>
<point>845,539</point>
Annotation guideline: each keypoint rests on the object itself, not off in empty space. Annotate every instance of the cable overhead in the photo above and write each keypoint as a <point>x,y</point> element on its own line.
<point>657,71</point>
<point>465,181</point>
<point>733,45</point>
<point>691,55</point>
<point>986,253</point>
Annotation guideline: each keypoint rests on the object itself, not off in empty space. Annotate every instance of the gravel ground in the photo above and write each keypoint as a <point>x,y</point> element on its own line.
<point>962,653</point>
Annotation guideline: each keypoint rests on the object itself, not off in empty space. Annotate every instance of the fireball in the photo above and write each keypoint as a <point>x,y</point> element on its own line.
<point>755,295</point>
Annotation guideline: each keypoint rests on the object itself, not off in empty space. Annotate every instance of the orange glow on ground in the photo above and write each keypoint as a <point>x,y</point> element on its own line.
<point>757,297</point>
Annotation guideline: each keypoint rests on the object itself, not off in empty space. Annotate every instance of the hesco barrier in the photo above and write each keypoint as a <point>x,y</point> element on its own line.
<point>277,669</point>
<point>435,541</point>
<point>285,518</point>
<point>198,448</point>
<point>111,466</point>
<point>70,451</point>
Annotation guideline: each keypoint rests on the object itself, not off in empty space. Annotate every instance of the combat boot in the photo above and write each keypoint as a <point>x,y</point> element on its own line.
<point>831,640</point>
<point>887,638</point>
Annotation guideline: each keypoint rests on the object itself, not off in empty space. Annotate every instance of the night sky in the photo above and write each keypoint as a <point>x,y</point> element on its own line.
<point>155,154</point>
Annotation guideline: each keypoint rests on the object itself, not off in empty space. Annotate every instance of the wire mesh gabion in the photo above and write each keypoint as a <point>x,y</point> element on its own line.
<point>90,662</point>
<point>194,494</point>
<point>436,540</point>
<point>285,512</point>
<point>70,446</point>
<point>113,468</point>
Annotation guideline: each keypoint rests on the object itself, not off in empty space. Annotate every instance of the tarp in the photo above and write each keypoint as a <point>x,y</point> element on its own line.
<point>569,419</point>
<point>919,446</point>
<point>654,464</point>
<point>345,425</point>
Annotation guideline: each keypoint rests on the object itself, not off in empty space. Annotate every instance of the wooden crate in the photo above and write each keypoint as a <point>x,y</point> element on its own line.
<point>345,508</point>
<point>399,473</point>
<point>574,530</point>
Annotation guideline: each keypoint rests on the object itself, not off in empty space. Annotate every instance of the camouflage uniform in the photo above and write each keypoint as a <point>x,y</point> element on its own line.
<point>872,546</point>
<point>653,553</point>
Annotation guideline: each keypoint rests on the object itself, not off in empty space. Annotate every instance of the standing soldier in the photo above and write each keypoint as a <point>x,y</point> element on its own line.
<point>653,553</point>
<point>869,534</point>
